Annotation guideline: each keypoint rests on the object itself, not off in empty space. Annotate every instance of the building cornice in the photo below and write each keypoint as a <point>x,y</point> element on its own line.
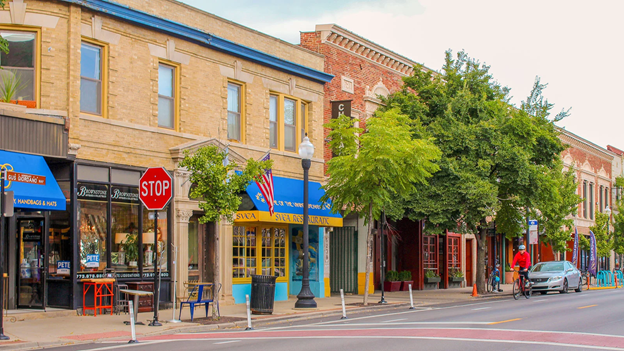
<point>335,35</point>
<point>201,38</point>
<point>585,145</point>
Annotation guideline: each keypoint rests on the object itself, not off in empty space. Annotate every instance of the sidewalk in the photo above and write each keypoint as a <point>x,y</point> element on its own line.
<point>32,329</point>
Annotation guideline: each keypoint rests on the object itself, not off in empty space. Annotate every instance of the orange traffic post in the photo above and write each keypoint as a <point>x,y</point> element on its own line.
<point>474,291</point>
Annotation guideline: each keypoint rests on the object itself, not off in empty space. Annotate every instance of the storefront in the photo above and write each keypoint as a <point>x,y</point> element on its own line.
<point>114,231</point>
<point>272,245</point>
<point>40,207</point>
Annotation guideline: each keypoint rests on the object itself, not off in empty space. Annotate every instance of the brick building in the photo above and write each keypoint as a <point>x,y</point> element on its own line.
<point>363,71</point>
<point>114,88</point>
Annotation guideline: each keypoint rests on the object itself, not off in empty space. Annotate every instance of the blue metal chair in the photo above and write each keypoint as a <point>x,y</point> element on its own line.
<point>197,297</point>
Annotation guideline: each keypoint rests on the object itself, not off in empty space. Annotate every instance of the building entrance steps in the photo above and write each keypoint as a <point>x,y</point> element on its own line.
<point>33,328</point>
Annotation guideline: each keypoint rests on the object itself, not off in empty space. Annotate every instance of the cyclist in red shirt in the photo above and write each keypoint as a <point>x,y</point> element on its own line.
<point>524,261</point>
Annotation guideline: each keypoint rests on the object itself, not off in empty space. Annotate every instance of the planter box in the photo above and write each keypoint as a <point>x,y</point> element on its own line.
<point>509,277</point>
<point>456,280</point>
<point>431,286</point>
<point>434,280</point>
<point>392,286</point>
<point>405,285</point>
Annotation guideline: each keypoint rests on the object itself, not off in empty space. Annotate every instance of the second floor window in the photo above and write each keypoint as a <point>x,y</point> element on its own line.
<point>18,66</point>
<point>234,129</point>
<point>584,199</point>
<point>288,120</point>
<point>166,96</point>
<point>591,201</point>
<point>91,79</point>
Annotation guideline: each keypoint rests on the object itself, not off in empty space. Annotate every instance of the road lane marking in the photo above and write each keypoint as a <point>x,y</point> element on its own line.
<point>507,321</point>
<point>480,308</point>
<point>394,320</point>
<point>580,308</point>
<point>225,342</point>
<point>539,300</point>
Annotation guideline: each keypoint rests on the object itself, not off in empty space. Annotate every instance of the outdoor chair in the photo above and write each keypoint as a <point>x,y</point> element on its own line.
<point>202,294</point>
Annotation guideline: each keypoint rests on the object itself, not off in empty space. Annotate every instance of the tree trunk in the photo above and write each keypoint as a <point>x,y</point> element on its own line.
<point>481,247</point>
<point>552,248</point>
<point>369,252</point>
<point>217,272</point>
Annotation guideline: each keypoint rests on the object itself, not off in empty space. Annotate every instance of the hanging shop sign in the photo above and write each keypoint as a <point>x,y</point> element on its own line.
<point>125,194</point>
<point>97,192</point>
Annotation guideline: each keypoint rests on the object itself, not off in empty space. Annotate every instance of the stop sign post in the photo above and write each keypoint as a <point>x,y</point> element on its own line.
<point>155,190</point>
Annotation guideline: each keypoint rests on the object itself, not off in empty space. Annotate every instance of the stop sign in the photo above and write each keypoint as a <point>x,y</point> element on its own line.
<point>155,188</point>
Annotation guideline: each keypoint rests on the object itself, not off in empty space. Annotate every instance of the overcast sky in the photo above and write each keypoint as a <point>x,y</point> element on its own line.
<point>574,46</point>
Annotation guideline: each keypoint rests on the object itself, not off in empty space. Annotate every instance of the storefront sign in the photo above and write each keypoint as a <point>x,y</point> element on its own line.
<point>93,261</point>
<point>124,194</point>
<point>341,108</point>
<point>30,234</point>
<point>63,267</point>
<point>26,178</point>
<point>260,216</point>
<point>92,192</point>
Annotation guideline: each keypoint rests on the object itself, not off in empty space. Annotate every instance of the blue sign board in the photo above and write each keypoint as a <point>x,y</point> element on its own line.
<point>93,261</point>
<point>62,267</point>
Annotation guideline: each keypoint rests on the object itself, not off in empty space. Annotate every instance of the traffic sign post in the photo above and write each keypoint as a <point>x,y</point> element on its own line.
<point>155,193</point>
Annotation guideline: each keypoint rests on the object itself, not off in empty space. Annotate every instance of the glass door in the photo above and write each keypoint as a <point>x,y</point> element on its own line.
<point>31,255</point>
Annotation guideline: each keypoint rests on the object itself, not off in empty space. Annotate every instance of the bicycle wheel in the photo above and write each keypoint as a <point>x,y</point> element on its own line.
<point>528,291</point>
<point>489,285</point>
<point>517,289</point>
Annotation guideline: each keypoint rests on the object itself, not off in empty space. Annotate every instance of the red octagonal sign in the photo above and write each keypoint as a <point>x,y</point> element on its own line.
<point>155,188</point>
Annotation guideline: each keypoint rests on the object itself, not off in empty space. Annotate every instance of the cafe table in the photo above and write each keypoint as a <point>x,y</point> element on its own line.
<point>136,294</point>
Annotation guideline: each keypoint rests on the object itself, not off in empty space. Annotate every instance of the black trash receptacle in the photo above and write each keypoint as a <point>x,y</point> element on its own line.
<point>262,294</point>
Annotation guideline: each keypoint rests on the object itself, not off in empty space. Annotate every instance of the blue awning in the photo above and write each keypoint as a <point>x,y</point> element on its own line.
<point>288,207</point>
<point>32,182</point>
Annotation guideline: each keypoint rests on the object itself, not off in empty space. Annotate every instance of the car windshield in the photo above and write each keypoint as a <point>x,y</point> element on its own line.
<point>548,267</point>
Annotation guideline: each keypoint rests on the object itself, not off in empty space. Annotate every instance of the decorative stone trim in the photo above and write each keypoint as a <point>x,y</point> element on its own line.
<point>289,88</point>
<point>338,36</point>
<point>177,152</point>
<point>17,15</point>
<point>169,53</point>
<point>585,145</point>
<point>184,215</point>
<point>236,72</point>
<point>95,31</point>
<point>347,85</point>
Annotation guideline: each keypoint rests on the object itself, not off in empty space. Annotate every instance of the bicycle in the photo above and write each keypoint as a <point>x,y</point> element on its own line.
<point>521,287</point>
<point>491,282</point>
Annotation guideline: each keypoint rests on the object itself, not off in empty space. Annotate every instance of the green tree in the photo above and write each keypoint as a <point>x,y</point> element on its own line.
<point>618,220</point>
<point>372,168</point>
<point>217,186</point>
<point>557,201</point>
<point>493,155</point>
<point>604,244</point>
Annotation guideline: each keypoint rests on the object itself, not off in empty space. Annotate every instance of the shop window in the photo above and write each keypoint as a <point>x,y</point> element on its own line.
<point>166,96</point>
<point>430,253</point>
<point>18,65</point>
<point>262,250</point>
<point>148,249</point>
<point>91,68</point>
<point>234,112</point>
<point>125,230</point>
<point>288,121</point>
<point>193,249</point>
<point>454,258</point>
<point>92,226</point>
<point>60,249</point>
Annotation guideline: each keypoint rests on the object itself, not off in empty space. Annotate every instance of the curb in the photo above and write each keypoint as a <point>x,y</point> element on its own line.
<point>27,345</point>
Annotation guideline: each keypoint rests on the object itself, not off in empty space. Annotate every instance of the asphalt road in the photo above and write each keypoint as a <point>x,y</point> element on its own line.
<point>588,320</point>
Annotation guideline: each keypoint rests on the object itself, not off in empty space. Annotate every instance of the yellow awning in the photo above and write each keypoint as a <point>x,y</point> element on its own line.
<point>262,216</point>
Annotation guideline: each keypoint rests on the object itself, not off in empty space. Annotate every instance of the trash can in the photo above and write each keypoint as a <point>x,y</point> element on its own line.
<point>262,294</point>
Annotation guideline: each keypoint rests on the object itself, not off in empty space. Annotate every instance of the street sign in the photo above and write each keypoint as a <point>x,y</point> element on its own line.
<point>533,238</point>
<point>155,188</point>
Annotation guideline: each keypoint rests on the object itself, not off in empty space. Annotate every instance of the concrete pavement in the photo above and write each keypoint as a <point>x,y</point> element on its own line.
<point>32,329</point>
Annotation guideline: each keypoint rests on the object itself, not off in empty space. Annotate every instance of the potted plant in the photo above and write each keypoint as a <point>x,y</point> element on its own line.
<point>509,274</point>
<point>456,276</point>
<point>12,85</point>
<point>392,282</point>
<point>131,249</point>
<point>406,279</point>
<point>431,277</point>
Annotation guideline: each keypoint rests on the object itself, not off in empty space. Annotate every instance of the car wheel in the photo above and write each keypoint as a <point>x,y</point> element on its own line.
<point>580,286</point>
<point>564,289</point>
<point>543,292</point>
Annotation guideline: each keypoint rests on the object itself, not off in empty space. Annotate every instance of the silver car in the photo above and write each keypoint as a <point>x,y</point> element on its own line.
<point>555,276</point>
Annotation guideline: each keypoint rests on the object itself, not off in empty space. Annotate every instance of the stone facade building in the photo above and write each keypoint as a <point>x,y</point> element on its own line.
<point>135,84</point>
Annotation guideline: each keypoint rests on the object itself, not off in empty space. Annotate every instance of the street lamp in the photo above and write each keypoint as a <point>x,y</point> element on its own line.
<point>305,299</point>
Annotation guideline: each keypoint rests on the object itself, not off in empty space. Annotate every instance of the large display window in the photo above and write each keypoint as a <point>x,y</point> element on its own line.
<point>92,226</point>
<point>259,250</point>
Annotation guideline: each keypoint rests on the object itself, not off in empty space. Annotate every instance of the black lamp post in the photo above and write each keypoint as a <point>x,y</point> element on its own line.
<point>383,257</point>
<point>305,299</point>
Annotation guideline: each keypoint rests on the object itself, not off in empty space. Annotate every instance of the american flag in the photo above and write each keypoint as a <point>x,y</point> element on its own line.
<point>267,187</point>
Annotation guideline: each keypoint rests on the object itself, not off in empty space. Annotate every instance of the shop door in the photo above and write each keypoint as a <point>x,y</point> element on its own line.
<point>468,263</point>
<point>31,260</point>
<point>343,260</point>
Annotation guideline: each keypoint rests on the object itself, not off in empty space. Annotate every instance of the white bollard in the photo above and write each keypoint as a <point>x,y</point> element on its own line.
<point>131,310</point>
<point>248,314</point>
<point>175,298</point>
<point>344,310</point>
<point>411,297</point>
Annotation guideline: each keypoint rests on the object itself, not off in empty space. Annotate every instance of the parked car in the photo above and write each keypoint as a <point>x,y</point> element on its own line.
<point>555,276</point>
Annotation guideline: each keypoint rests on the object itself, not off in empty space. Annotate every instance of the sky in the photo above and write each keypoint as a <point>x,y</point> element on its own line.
<point>573,46</point>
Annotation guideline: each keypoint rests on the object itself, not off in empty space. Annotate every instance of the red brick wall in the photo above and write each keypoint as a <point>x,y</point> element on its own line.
<point>340,62</point>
